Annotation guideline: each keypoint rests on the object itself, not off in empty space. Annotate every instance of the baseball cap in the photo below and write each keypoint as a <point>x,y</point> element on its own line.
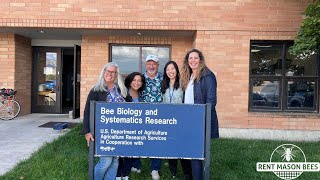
<point>152,58</point>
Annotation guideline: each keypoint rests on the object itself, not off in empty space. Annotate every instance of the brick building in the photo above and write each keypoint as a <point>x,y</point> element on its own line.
<point>47,46</point>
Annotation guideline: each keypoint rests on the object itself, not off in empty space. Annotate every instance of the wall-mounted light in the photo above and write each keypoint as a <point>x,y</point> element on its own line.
<point>262,46</point>
<point>41,31</point>
<point>255,50</point>
<point>139,34</point>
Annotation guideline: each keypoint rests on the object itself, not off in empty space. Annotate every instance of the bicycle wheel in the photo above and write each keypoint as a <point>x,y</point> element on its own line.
<point>9,109</point>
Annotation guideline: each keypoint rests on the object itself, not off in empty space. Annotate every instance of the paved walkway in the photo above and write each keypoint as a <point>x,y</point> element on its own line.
<point>21,136</point>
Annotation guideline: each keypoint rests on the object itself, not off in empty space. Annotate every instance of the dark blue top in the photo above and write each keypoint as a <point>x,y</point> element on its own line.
<point>205,91</point>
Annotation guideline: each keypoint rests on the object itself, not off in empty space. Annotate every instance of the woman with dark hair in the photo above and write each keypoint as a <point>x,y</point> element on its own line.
<point>135,83</point>
<point>200,86</point>
<point>174,79</point>
<point>110,88</point>
<point>172,93</point>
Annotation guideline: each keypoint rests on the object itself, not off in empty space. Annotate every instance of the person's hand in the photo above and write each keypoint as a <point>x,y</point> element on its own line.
<point>88,137</point>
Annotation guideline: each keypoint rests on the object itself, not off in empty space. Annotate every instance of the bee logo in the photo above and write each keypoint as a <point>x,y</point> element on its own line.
<point>288,162</point>
<point>287,154</point>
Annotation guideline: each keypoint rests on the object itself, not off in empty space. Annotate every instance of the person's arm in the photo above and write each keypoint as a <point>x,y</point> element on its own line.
<point>86,118</point>
<point>89,138</point>
<point>210,84</point>
<point>211,97</point>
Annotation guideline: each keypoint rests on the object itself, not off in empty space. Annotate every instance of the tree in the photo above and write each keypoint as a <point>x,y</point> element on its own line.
<point>307,41</point>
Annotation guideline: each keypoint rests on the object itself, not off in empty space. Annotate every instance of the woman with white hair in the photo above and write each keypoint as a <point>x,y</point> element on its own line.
<point>110,88</point>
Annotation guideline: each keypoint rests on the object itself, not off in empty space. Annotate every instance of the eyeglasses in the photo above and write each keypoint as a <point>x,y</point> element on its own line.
<point>113,73</point>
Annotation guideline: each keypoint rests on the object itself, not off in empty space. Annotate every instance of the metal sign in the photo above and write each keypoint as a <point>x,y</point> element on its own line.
<point>150,130</point>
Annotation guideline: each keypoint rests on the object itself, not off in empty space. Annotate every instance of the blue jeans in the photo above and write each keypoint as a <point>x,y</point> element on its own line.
<point>155,164</point>
<point>136,163</point>
<point>197,169</point>
<point>106,168</point>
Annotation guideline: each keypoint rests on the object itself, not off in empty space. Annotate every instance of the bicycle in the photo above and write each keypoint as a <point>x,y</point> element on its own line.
<point>9,107</point>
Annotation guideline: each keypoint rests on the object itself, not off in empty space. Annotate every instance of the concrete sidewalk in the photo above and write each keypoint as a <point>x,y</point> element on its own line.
<point>21,137</point>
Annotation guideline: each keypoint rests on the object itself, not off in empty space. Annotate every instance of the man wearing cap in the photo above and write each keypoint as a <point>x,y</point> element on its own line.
<point>152,93</point>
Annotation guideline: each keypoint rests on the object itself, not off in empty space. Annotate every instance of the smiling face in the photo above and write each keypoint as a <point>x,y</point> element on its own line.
<point>110,74</point>
<point>194,61</point>
<point>136,83</point>
<point>171,71</point>
<point>152,68</point>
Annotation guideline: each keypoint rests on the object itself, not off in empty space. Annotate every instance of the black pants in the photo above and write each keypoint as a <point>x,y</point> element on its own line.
<point>186,167</point>
<point>124,167</point>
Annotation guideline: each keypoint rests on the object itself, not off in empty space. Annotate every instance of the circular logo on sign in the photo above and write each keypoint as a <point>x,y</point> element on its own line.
<point>288,155</point>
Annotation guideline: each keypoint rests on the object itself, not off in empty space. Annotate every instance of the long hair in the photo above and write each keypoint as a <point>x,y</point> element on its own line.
<point>130,78</point>
<point>165,83</point>
<point>186,71</point>
<point>101,84</point>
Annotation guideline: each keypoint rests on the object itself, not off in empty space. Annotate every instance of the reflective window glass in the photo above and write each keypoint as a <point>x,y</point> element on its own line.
<point>280,81</point>
<point>301,94</point>
<point>127,58</point>
<point>266,59</point>
<point>47,77</point>
<point>265,93</point>
<point>300,66</point>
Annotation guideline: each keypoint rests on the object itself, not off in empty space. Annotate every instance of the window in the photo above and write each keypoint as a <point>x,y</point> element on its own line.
<point>280,81</point>
<point>131,58</point>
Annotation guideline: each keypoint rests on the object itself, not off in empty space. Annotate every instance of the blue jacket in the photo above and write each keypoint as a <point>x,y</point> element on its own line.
<point>205,91</point>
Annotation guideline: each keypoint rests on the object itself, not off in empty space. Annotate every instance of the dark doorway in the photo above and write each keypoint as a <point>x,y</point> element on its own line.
<point>67,80</point>
<point>56,80</point>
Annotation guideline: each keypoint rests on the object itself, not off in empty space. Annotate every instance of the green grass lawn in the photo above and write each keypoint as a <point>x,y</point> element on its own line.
<point>67,158</point>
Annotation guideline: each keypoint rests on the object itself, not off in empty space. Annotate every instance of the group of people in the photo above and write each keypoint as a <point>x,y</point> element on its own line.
<point>195,85</point>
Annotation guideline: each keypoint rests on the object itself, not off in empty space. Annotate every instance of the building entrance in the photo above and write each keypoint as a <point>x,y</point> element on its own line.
<point>56,80</point>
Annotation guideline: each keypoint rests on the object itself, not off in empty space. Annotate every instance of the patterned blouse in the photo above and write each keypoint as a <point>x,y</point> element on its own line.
<point>152,91</point>
<point>114,96</point>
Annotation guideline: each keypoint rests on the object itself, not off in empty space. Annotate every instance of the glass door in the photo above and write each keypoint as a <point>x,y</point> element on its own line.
<point>46,80</point>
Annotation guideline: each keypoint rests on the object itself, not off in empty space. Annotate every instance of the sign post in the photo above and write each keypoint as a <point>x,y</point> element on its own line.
<point>207,143</point>
<point>91,144</point>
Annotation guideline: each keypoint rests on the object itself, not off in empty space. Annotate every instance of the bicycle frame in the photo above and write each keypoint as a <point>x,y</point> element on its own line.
<point>2,100</point>
<point>9,107</point>
<point>9,102</point>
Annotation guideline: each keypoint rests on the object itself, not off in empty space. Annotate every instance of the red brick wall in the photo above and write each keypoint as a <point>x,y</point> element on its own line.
<point>23,69</point>
<point>15,68</point>
<point>255,15</point>
<point>7,60</point>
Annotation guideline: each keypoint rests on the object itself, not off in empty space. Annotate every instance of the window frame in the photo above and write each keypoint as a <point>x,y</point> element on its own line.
<point>283,83</point>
